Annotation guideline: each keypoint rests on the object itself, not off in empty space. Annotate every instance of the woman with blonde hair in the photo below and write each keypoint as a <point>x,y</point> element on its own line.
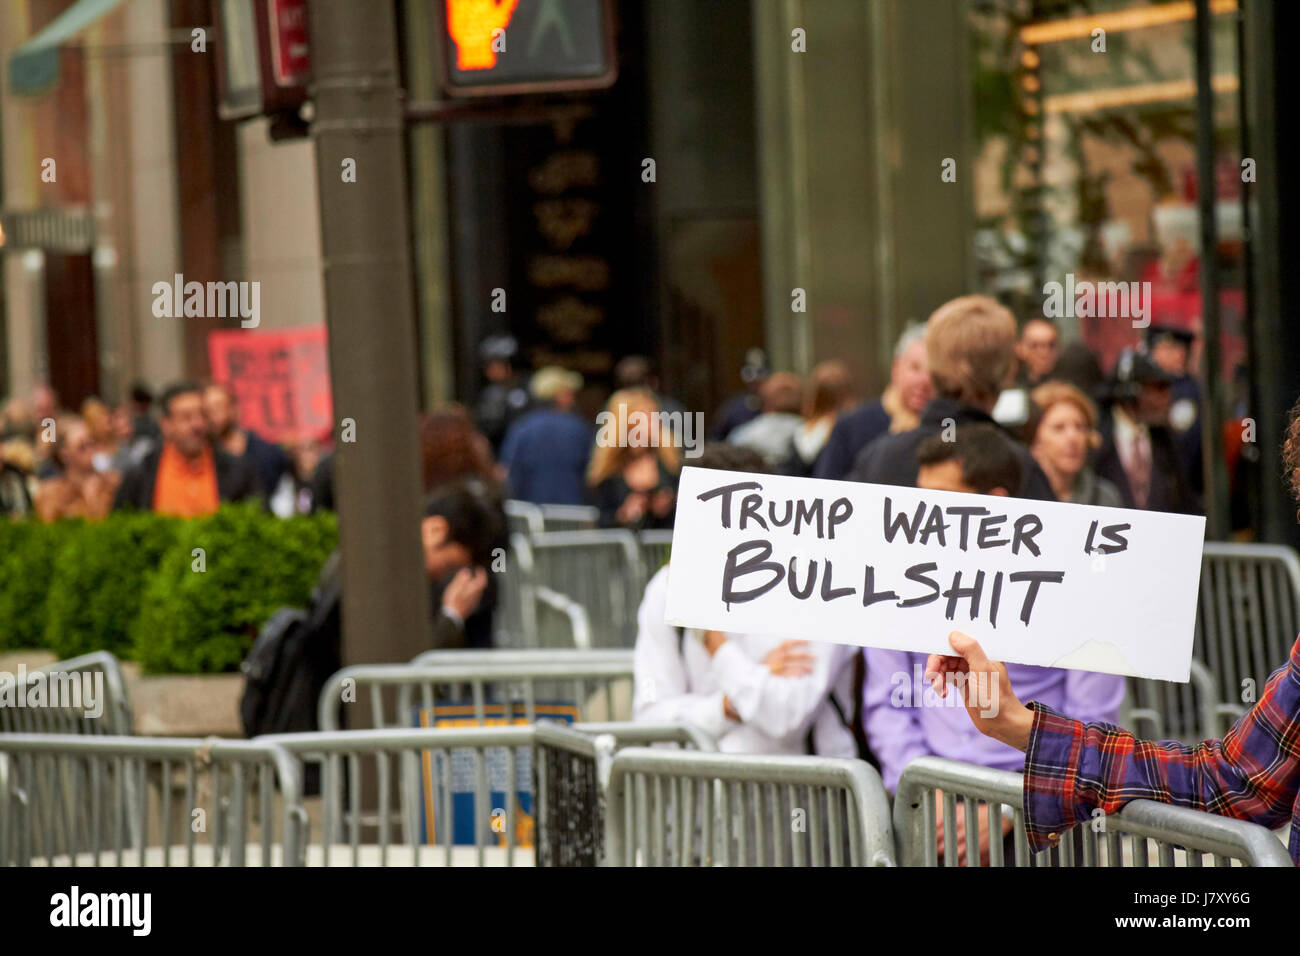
<point>632,476</point>
<point>1062,432</point>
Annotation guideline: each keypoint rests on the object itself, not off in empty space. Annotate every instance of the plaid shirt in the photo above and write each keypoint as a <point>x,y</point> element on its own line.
<point>1253,773</point>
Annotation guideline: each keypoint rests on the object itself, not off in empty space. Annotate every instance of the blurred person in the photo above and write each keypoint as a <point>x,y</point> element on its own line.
<point>44,403</point>
<point>771,432</point>
<point>829,394</point>
<point>458,533</point>
<point>16,463</point>
<point>897,410</point>
<point>1170,347</point>
<point>451,448</point>
<point>143,424</point>
<point>17,420</point>
<point>1075,767</point>
<point>1078,366</point>
<point>1063,431</point>
<point>45,410</point>
<point>751,693</point>
<point>634,484</point>
<point>1038,350</point>
<point>983,461</point>
<point>970,351</point>
<point>98,419</point>
<point>745,405</point>
<point>221,406</point>
<point>545,452</point>
<point>293,495</point>
<point>637,371</point>
<point>186,475</point>
<point>505,396</point>
<point>454,452</point>
<point>132,445</point>
<point>1139,454</point>
<point>80,490</point>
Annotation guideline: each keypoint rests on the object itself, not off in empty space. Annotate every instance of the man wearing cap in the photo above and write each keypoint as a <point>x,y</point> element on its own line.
<point>1170,347</point>
<point>545,452</point>
<point>1139,453</point>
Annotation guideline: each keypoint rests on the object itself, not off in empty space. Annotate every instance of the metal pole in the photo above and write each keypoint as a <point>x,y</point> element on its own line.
<point>1216,472</point>
<point>369,311</point>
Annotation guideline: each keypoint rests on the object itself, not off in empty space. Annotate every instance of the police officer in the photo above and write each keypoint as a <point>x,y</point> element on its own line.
<point>505,397</point>
<point>1139,452</point>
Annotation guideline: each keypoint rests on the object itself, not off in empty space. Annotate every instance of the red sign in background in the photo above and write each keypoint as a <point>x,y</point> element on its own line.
<point>290,53</point>
<point>281,379</point>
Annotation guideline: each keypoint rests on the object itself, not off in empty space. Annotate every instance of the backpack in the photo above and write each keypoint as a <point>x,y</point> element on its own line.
<point>294,655</point>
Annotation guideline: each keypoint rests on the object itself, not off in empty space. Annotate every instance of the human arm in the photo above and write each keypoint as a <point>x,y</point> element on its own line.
<point>1073,768</point>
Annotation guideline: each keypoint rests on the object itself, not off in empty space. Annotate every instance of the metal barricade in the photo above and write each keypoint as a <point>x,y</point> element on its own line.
<point>601,570</point>
<point>1246,619</point>
<point>83,695</point>
<point>655,546</point>
<point>522,517</point>
<point>1166,710</point>
<point>410,780</point>
<point>685,808</point>
<point>564,682</point>
<point>569,517</point>
<point>1178,836</point>
<point>86,801</point>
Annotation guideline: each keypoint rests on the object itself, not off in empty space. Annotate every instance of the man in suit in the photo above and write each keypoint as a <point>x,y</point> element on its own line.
<point>1139,452</point>
<point>186,476</point>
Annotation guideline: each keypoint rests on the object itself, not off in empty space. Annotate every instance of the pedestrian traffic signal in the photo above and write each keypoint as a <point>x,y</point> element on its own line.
<point>527,46</point>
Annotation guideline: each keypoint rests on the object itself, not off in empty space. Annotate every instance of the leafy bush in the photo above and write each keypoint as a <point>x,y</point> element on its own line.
<point>27,565</point>
<point>98,582</point>
<point>218,583</point>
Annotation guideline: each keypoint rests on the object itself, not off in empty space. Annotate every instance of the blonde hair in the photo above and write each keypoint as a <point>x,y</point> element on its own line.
<point>1050,394</point>
<point>970,346</point>
<point>608,459</point>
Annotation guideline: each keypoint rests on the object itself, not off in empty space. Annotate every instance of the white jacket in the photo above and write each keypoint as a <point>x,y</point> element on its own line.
<point>687,686</point>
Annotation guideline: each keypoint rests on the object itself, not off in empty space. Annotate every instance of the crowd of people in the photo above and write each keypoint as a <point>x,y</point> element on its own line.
<point>975,403</point>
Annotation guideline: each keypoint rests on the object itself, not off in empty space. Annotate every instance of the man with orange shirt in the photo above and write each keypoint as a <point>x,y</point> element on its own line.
<point>186,477</point>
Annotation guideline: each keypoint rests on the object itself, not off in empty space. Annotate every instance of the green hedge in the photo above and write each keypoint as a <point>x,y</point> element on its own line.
<point>219,583</point>
<point>135,585</point>
<point>99,576</point>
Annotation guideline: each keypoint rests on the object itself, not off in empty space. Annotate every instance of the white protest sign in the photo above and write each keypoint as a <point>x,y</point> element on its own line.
<point>1035,582</point>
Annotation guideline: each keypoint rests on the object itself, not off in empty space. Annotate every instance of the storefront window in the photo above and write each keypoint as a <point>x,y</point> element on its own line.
<point>1086,172</point>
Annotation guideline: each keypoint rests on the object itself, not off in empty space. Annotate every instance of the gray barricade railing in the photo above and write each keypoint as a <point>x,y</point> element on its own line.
<point>630,734</point>
<point>655,544</point>
<point>569,517</point>
<point>63,709</point>
<point>1247,618</point>
<point>1166,710</point>
<point>88,801</point>
<point>1181,836</point>
<point>678,808</point>
<point>411,775</point>
<point>602,570</point>
<point>523,517</point>
<point>584,679</point>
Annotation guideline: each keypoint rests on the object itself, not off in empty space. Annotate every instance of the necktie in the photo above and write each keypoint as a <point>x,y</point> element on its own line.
<point>1139,474</point>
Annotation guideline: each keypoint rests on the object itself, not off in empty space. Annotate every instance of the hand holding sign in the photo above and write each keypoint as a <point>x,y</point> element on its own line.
<point>899,567</point>
<point>981,679</point>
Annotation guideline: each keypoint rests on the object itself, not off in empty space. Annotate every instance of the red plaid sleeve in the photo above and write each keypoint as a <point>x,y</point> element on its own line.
<point>1253,773</point>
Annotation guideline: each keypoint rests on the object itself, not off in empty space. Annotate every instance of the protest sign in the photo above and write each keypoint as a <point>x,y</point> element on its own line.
<point>1035,582</point>
<point>280,378</point>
